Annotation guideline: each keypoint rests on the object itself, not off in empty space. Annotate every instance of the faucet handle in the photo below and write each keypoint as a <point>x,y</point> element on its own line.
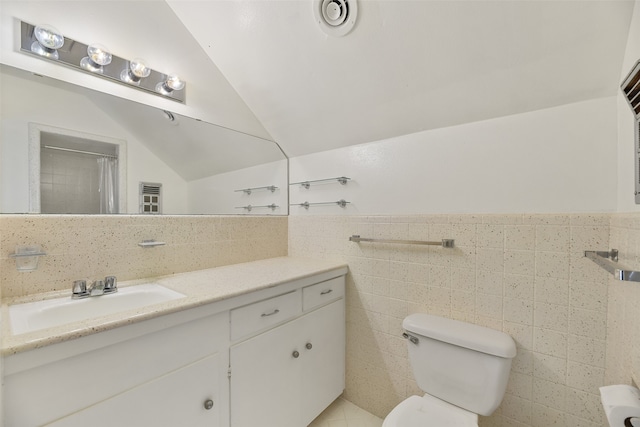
<point>79,289</point>
<point>110,284</point>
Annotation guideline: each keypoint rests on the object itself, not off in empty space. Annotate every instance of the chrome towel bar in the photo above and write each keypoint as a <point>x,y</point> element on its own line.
<point>445,243</point>
<point>609,261</point>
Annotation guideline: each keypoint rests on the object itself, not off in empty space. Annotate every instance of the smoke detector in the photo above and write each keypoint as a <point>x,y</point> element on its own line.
<point>335,17</point>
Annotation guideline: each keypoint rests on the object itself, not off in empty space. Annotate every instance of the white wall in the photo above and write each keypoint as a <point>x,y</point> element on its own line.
<point>626,123</point>
<point>560,159</point>
<point>218,193</point>
<point>25,101</point>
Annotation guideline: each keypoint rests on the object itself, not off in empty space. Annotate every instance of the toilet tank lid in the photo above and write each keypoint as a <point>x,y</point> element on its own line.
<point>462,334</point>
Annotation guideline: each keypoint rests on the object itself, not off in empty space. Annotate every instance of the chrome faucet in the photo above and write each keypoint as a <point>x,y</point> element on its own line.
<point>79,289</point>
<point>110,284</point>
<point>97,288</point>
<point>100,287</point>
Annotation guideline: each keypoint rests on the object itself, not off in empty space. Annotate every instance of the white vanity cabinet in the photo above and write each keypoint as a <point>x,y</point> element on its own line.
<point>156,373</point>
<point>269,357</point>
<point>184,397</point>
<point>287,375</point>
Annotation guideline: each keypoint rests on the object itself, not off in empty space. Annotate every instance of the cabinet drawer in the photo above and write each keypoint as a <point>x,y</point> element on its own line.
<point>321,293</point>
<point>263,314</point>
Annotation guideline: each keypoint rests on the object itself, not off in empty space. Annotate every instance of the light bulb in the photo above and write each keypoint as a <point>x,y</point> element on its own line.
<point>173,82</point>
<point>137,70</point>
<point>98,57</point>
<point>48,40</point>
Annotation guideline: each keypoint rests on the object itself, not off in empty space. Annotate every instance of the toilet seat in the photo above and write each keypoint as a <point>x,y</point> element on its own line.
<point>429,411</point>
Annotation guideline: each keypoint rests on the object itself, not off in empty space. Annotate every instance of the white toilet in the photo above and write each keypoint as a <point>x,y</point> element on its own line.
<point>463,368</point>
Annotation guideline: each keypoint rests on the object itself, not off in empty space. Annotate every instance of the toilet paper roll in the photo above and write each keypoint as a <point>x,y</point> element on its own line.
<point>621,405</point>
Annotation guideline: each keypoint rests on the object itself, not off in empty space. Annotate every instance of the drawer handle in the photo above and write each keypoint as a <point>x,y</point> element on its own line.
<point>328,291</point>
<point>276,311</point>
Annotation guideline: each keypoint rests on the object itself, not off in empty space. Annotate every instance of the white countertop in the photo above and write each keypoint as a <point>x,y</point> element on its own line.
<point>199,287</point>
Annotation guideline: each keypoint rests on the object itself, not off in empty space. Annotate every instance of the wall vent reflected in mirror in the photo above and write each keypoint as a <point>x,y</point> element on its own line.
<point>77,175</point>
<point>631,90</point>
<point>150,198</point>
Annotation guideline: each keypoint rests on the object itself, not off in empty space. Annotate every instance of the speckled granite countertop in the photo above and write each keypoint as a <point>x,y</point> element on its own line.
<point>199,287</point>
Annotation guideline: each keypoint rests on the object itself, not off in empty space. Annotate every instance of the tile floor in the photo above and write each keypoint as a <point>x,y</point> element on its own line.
<point>343,413</point>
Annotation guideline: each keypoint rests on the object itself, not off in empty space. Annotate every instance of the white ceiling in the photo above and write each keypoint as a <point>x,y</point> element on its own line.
<point>408,65</point>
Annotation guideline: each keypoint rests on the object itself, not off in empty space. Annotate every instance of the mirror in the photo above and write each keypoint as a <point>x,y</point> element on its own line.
<point>69,149</point>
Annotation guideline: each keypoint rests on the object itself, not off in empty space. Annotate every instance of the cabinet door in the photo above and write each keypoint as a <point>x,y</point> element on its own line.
<point>265,379</point>
<point>324,363</point>
<point>175,399</point>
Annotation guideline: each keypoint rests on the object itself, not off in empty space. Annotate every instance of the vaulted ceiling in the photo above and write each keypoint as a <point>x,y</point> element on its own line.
<point>265,67</point>
<point>407,66</point>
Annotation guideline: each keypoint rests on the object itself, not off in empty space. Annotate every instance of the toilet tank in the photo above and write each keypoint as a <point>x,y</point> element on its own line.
<point>464,364</point>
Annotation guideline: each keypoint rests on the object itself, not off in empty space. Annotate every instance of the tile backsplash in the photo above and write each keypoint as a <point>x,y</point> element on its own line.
<point>523,274</point>
<point>623,322</point>
<point>91,247</point>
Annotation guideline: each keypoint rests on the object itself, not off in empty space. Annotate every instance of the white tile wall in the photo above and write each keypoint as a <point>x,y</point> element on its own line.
<point>523,274</point>
<point>623,319</point>
<point>69,183</point>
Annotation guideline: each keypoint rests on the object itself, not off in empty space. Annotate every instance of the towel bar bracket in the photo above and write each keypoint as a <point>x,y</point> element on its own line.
<point>609,261</point>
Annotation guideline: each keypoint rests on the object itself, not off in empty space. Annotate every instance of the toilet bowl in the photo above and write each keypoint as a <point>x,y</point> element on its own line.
<point>429,411</point>
<point>463,369</point>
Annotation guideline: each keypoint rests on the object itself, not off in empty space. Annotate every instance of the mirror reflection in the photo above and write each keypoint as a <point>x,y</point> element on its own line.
<point>69,149</point>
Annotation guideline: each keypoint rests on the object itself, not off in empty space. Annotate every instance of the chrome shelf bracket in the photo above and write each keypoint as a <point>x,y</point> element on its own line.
<point>342,203</point>
<point>248,191</point>
<point>307,184</point>
<point>249,208</point>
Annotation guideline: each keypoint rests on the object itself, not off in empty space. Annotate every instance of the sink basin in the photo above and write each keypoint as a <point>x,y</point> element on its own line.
<point>37,315</point>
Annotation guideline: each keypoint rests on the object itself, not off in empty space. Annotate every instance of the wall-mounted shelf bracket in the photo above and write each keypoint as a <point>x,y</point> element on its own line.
<point>248,191</point>
<point>609,261</point>
<point>249,208</point>
<point>306,184</point>
<point>342,203</point>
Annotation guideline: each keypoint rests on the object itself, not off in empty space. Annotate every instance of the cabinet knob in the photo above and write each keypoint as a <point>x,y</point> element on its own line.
<point>309,346</point>
<point>296,354</point>
<point>208,404</point>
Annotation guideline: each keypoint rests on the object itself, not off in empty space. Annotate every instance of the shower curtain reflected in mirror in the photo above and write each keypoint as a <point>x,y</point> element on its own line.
<point>108,185</point>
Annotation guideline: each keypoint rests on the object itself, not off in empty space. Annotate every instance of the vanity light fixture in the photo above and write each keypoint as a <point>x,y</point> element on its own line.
<point>135,71</point>
<point>97,57</point>
<point>47,43</point>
